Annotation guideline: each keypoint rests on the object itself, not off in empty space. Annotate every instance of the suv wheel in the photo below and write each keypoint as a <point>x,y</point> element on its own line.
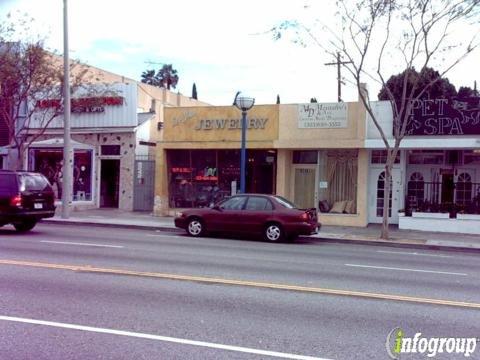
<point>25,226</point>
<point>195,227</point>
<point>273,233</point>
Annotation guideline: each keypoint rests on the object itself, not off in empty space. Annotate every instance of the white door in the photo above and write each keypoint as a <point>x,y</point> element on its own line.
<point>377,199</point>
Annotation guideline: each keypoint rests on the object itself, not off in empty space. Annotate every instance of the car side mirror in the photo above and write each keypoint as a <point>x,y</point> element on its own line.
<point>217,207</point>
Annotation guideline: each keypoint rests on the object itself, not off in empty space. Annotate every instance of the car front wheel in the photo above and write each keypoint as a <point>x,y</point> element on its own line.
<point>195,227</point>
<point>25,226</point>
<point>274,233</point>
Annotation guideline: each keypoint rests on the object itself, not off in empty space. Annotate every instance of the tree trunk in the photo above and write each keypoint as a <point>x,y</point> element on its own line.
<point>19,159</point>
<point>386,199</point>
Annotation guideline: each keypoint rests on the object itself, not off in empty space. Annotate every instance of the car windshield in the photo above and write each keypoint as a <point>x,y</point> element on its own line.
<point>285,203</point>
<point>34,182</point>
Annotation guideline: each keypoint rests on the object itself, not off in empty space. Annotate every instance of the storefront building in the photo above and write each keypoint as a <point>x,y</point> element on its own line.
<point>104,144</point>
<point>436,179</point>
<point>112,130</point>
<point>321,160</point>
<point>309,153</point>
<point>198,157</point>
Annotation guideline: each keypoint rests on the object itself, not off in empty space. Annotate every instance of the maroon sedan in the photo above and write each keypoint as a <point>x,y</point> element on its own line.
<point>272,216</point>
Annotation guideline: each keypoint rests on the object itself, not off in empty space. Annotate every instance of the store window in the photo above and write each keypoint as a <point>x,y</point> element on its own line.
<point>380,157</point>
<point>382,199</point>
<point>305,157</point>
<point>464,189</point>
<point>110,149</point>
<point>200,178</point>
<point>416,190</point>
<point>49,162</point>
<point>338,181</point>
<point>471,156</point>
<point>431,157</point>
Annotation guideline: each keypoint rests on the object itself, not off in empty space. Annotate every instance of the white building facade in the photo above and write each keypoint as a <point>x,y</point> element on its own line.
<point>436,178</point>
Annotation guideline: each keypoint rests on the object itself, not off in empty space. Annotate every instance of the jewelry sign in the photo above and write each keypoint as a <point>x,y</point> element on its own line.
<point>322,116</point>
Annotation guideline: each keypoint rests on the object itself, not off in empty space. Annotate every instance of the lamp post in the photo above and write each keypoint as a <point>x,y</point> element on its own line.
<point>67,170</point>
<point>243,103</point>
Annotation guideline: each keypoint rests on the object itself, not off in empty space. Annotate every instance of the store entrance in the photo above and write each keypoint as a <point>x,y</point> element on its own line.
<point>109,183</point>
<point>260,172</point>
<point>448,188</point>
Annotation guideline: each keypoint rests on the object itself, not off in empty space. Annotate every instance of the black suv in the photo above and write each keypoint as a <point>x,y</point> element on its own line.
<point>25,198</point>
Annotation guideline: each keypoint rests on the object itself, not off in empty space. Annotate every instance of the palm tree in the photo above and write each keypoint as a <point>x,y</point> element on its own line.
<point>167,77</point>
<point>148,77</point>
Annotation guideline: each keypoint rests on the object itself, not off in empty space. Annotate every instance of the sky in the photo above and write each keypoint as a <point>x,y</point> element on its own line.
<point>220,45</point>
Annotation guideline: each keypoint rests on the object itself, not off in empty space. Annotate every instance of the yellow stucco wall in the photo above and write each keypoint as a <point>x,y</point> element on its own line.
<point>292,137</point>
<point>218,127</point>
<point>281,132</point>
<point>209,127</point>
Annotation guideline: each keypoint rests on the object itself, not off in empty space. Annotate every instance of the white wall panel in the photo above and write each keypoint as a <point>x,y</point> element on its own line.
<point>113,116</point>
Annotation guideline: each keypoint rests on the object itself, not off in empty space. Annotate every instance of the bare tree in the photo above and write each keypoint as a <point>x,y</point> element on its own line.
<point>381,37</point>
<point>30,76</point>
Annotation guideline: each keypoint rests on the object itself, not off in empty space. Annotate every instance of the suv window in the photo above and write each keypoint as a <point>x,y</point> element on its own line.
<point>258,203</point>
<point>34,182</point>
<point>234,203</point>
<point>8,184</point>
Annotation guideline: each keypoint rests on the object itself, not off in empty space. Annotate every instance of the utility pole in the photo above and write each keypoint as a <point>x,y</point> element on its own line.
<point>339,64</point>
<point>67,171</point>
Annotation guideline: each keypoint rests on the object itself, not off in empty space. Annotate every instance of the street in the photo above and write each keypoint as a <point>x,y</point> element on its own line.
<point>79,292</point>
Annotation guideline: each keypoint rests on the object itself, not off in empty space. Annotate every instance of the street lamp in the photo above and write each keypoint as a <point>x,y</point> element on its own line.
<point>243,103</point>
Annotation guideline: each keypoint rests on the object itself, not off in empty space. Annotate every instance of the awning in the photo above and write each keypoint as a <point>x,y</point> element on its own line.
<point>58,143</point>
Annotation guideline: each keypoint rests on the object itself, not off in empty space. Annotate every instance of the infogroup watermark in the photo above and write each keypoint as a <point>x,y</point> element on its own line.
<point>397,344</point>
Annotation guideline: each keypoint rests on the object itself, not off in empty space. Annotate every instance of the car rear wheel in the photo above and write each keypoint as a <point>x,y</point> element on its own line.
<point>195,227</point>
<point>274,233</point>
<point>25,226</point>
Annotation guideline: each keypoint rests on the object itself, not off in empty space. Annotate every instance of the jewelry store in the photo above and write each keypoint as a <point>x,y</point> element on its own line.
<point>198,158</point>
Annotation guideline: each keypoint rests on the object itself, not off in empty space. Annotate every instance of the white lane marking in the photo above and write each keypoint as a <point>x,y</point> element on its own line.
<point>160,338</point>
<point>402,269</point>
<point>164,235</point>
<point>80,244</point>
<point>413,253</point>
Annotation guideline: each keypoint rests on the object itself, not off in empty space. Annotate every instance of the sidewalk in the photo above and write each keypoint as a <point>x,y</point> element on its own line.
<point>342,234</point>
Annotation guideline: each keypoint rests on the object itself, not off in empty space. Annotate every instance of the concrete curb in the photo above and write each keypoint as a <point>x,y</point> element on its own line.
<point>110,225</point>
<point>414,244</point>
<point>396,244</point>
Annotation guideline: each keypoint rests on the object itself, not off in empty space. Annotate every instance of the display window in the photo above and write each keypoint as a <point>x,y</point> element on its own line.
<point>201,178</point>
<point>338,181</point>
<point>49,162</point>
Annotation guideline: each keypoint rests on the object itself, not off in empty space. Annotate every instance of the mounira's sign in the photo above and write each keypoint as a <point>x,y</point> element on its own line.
<point>445,117</point>
<point>322,116</point>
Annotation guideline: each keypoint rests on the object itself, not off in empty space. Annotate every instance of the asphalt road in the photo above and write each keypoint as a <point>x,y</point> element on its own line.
<point>75,292</point>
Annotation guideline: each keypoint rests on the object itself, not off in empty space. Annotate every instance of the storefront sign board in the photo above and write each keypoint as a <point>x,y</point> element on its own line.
<point>445,117</point>
<point>322,116</point>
